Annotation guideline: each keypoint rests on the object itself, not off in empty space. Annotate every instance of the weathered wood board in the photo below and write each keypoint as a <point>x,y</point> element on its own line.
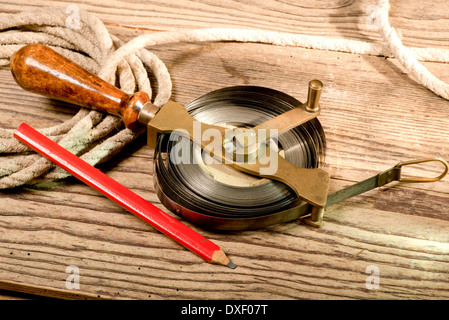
<point>374,115</point>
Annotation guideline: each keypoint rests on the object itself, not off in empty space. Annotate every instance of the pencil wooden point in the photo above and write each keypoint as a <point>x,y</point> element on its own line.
<point>219,257</point>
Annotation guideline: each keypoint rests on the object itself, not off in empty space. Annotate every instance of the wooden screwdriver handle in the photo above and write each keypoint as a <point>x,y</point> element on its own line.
<point>39,69</point>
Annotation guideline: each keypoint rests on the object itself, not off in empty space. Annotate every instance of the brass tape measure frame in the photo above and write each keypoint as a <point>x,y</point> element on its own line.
<point>242,95</point>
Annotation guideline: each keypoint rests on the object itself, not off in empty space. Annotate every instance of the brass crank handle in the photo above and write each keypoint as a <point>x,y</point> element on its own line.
<point>39,69</point>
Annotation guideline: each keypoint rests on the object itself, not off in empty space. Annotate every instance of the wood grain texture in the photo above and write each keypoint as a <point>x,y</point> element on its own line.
<point>374,115</point>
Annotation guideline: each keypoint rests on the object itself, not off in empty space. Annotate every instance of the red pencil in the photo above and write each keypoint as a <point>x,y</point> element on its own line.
<point>124,197</point>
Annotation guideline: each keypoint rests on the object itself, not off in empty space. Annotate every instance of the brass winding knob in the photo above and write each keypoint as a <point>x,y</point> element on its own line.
<point>313,96</point>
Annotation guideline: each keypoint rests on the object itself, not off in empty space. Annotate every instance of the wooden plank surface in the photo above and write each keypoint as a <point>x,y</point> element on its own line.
<point>374,115</point>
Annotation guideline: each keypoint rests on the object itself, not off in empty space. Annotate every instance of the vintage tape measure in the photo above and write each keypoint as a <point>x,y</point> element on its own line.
<point>219,196</point>
<point>226,185</point>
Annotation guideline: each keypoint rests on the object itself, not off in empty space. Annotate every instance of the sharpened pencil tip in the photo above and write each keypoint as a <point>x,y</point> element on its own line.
<point>219,257</point>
